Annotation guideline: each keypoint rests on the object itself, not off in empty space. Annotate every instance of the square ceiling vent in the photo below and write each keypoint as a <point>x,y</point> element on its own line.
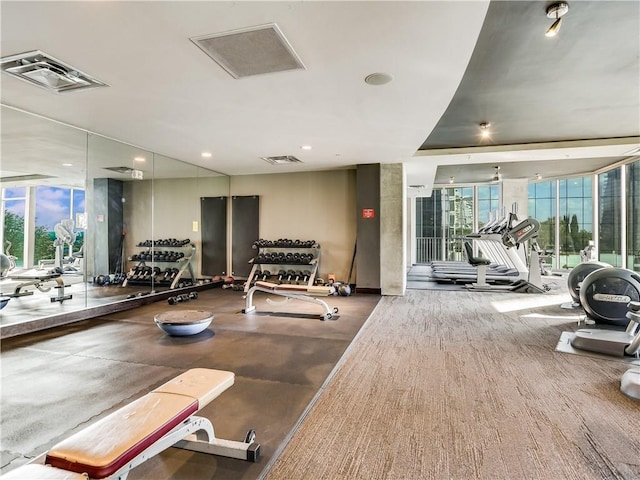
<point>250,51</point>
<point>281,160</point>
<point>43,70</point>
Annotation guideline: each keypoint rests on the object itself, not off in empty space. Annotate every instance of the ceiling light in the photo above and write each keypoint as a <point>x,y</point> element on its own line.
<point>378,78</point>
<point>484,129</point>
<point>497,176</point>
<point>557,11</point>
<point>206,154</point>
<point>138,159</point>
<point>538,176</point>
<point>451,179</point>
<point>67,164</point>
<point>306,147</point>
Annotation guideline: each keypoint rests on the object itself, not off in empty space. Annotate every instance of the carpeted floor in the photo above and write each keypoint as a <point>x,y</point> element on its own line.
<point>467,385</point>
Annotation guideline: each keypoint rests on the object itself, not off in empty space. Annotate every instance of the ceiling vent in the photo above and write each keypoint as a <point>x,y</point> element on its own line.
<point>123,170</point>
<point>281,160</point>
<point>250,51</point>
<point>47,72</point>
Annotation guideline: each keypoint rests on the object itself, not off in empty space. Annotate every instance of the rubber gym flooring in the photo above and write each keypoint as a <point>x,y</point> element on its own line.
<point>57,381</point>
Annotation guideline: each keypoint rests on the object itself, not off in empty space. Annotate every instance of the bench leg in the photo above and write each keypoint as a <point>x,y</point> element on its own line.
<point>205,441</point>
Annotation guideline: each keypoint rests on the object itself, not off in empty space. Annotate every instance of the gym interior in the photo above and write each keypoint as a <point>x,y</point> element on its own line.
<point>403,293</point>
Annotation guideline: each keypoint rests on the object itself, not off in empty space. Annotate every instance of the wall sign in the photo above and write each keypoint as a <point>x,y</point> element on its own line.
<point>368,213</point>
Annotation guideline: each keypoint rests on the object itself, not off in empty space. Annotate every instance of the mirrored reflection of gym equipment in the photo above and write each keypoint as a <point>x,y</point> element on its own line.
<point>65,236</point>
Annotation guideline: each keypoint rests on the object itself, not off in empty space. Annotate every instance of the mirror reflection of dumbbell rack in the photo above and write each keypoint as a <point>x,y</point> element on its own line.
<point>284,261</point>
<point>163,263</point>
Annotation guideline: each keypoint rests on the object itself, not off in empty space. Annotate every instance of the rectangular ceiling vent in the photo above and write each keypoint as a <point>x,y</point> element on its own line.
<point>281,160</point>
<point>47,72</point>
<point>123,170</point>
<point>250,51</point>
<point>24,178</point>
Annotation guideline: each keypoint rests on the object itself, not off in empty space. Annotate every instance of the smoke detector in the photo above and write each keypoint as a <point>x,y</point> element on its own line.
<point>45,71</point>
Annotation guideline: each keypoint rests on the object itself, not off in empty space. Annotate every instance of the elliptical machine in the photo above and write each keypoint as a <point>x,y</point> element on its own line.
<point>618,344</point>
<point>606,292</point>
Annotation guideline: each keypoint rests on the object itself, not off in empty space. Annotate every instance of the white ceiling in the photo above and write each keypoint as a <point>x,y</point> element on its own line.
<point>167,96</point>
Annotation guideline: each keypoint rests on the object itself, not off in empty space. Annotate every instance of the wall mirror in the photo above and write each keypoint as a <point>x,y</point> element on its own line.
<point>79,214</point>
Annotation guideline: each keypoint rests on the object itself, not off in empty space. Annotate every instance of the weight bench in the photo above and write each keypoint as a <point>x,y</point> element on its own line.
<point>113,446</point>
<point>38,278</point>
<point>296,292</point>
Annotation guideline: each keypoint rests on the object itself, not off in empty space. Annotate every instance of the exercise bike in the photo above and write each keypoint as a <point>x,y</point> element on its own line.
<point>618,344</point>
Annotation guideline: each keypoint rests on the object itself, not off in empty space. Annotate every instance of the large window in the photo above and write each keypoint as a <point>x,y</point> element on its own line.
<point>488,201</point>
<point>459,208</point>
<point>429,227</point>
<point>609,217</point>
<point>13,227</point>
<point>633,216</point>
<point>542,207</point>
<point>575,199</point>
<point>51,206</point>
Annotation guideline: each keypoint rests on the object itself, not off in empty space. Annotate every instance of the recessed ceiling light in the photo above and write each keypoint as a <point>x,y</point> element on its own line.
<point>451,179</point>
<point>139,159</point>
<point>306,147</point>
<point>206,154</point>
<point>67,164</point>
<point>378,78</point>
<point>484,129</point>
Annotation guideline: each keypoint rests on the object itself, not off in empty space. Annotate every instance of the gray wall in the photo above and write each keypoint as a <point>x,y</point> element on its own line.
<point>368,197</point>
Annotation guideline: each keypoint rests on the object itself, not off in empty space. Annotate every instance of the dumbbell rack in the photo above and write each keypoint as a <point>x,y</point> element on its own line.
<point>153,254</point>
<point>275,247</point>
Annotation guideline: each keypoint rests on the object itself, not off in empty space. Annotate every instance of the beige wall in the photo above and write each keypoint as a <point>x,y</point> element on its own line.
<point>316,206</point>
<point>175,206</point>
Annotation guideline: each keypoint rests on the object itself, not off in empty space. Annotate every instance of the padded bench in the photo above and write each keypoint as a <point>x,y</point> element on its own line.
<point>114,445</point>
<point>294,292</point>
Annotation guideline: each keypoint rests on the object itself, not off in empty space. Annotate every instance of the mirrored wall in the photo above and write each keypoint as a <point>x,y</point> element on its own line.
<point>80,214</point>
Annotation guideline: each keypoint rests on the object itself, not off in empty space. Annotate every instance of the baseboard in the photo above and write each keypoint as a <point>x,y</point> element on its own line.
<point>374,291</point>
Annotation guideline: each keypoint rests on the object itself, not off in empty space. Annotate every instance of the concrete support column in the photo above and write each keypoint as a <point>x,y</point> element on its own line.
<point>393,277</point>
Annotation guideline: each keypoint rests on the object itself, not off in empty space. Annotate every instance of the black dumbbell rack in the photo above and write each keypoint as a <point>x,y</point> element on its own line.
<point>162,263</point>
<point>283,255</point>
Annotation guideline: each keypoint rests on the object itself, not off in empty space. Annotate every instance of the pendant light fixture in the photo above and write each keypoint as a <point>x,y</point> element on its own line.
<point>557,11</point>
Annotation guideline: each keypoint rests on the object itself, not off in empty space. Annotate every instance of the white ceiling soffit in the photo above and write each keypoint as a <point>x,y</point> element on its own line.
<point>47,72</point>
<point>250,51</point>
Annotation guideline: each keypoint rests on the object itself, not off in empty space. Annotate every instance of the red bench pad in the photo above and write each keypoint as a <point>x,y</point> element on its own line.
<point>106,446</point>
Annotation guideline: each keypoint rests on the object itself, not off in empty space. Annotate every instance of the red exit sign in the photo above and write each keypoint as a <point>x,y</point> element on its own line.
<point>368,213</point>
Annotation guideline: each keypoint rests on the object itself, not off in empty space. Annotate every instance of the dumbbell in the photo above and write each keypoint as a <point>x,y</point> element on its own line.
<point>281,275</point>
<point>298,274</point>
<point>265,274</point>
<point>256,276</point>
<point>305,276</point>
<point>290,275</point>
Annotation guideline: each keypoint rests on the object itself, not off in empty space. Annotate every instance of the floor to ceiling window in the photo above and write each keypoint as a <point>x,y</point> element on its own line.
<point>609,217</point>
<point>429,227</point>
<point>575,210</point>
<point>542,207</point>
<point>14,201</point>
<point>633,215</point>
<point>488,201</point>
<point>34,232</point>
<point>459,208</point>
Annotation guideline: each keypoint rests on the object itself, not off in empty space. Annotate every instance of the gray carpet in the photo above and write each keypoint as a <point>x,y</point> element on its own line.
<point>460,385</point>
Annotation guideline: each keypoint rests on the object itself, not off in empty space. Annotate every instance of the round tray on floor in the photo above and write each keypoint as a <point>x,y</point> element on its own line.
<point>183,322</point>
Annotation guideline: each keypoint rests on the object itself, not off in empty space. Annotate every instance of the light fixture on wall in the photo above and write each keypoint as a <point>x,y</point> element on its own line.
<point>451,179</point>
<point>497,176</point>
<point>557,11</point>
<point>484,129</point>
<point>538,176</point>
